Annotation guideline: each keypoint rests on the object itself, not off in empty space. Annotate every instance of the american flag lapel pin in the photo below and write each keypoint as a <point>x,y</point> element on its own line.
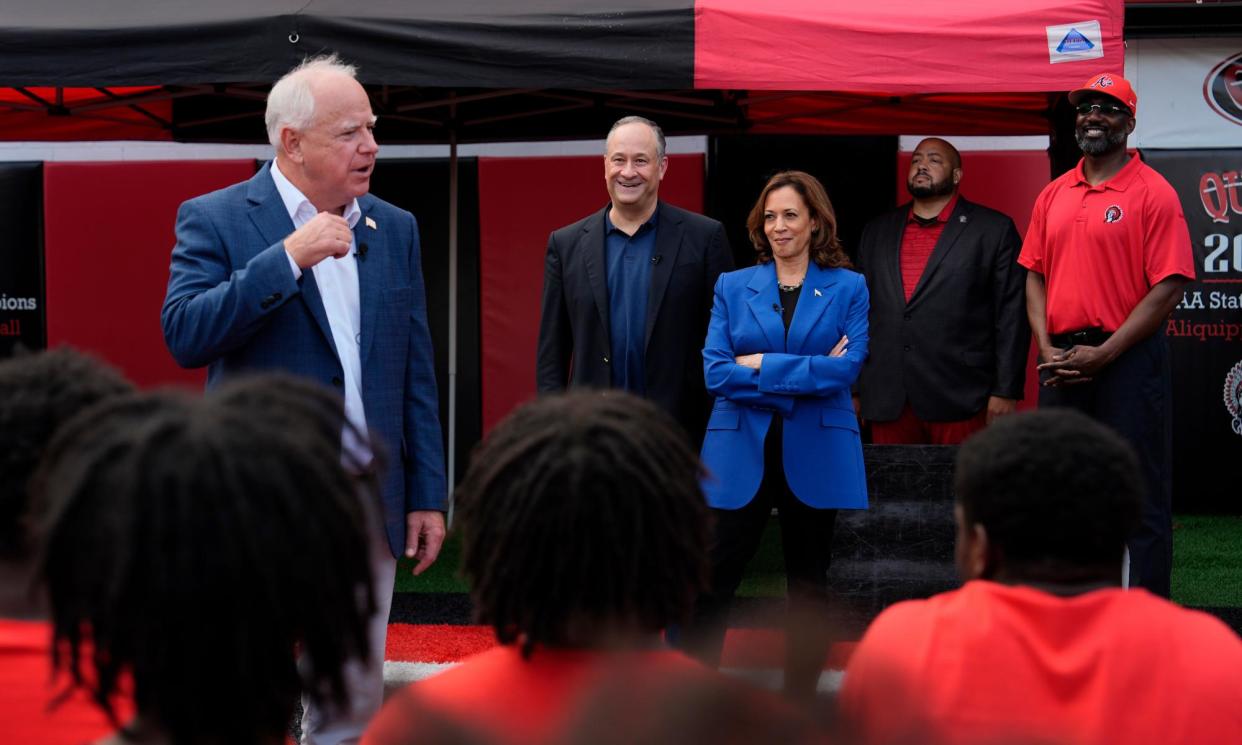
<point>371,223</point>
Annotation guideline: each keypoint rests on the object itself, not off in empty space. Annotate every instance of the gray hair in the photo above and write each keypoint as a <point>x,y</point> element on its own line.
<point>291,104</point>
<point>659,133</point>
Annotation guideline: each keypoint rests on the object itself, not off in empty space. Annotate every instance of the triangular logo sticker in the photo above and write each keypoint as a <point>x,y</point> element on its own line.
<point>1074,41</point>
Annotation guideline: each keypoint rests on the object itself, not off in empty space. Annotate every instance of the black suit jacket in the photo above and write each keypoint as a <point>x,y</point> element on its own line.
<point>963,336</point>
<point>574,345</point>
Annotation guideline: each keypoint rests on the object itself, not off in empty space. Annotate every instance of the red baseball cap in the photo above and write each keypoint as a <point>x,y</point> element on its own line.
<point>1110,85</point>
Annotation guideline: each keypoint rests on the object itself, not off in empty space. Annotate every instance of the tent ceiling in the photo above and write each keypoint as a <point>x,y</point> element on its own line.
<point>490,70</point>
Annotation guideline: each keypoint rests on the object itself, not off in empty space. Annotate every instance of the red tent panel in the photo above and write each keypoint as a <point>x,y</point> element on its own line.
<point>27,117</point>
<point>107,243</point>
<point>866,114</point>
<point>898,46</point>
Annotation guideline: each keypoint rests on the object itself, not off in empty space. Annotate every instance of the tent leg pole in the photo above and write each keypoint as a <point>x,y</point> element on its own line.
<point>452,323</point>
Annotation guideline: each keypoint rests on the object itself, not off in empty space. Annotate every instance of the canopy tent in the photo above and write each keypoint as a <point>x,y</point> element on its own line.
<point>490,70</point>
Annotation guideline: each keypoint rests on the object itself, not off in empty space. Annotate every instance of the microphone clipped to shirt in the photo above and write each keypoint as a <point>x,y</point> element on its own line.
<point>361,253</point>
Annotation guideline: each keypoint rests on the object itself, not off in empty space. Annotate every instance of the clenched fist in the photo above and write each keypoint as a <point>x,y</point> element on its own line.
<point>324,235</point>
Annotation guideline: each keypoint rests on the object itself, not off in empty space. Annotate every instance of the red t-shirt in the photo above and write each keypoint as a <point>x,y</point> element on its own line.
<point>1101,248</point>
<point>499,697</point>
<point>28,687</point>
<point>993,663</point>
<point>917,243</point>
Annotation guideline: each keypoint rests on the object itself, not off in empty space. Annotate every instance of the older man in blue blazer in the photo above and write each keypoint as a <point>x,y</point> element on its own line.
<point>299,269</point>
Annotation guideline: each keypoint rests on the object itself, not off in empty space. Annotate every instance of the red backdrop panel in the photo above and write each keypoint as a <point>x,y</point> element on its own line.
<point>521,201</point>
<point>107,238</point>
<point>1008,181</point>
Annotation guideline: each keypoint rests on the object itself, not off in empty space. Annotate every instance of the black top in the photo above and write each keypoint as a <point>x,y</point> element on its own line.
<point>789,301</point>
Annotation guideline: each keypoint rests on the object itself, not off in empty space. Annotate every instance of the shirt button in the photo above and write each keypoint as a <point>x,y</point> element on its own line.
<point>906,347</point>
<point>336,381</point>
<point>606,359</point>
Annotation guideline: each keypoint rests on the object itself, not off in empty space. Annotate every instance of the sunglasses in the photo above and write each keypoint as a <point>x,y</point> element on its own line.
<point>1107,109</point>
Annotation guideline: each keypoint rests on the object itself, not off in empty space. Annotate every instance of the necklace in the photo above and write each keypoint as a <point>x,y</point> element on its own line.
<point>789,288</point>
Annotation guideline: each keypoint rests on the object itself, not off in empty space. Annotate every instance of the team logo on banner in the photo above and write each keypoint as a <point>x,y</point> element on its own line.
<point>1233,396</point>
<point>1223,89</point>
<point>1113,214</point>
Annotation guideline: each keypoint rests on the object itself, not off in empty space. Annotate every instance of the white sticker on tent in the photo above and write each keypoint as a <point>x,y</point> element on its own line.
<point>1075,41</point>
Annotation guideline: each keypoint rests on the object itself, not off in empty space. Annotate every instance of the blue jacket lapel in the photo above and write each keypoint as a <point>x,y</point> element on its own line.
<point>372,267</point>
<point>765,305</point>
<point>271,219</point>
<point>814,299</point>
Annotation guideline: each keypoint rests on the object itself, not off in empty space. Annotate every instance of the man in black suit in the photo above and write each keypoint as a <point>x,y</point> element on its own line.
<point>949,335</point>
<point>627,291</point>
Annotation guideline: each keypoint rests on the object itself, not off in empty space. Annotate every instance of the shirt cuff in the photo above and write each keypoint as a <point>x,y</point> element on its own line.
<point>297,270</point>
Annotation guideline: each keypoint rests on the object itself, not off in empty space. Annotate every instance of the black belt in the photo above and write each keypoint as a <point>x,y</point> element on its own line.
<point>1092,337</point>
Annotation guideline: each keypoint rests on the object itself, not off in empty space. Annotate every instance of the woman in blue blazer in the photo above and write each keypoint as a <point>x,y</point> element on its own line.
<point>786,340</point>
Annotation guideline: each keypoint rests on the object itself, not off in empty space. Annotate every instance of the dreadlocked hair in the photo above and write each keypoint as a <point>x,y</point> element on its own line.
<point>38,393</point>
<point>194,544</point>
<point>581,515</point>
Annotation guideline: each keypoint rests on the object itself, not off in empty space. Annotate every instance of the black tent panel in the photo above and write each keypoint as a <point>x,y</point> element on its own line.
<point>476,44</point>
<point>421,186</point>
<point>22,315</point>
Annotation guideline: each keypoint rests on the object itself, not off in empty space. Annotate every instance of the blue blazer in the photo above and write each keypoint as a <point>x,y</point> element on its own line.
<point>797,380</point>
<point>234,306</point>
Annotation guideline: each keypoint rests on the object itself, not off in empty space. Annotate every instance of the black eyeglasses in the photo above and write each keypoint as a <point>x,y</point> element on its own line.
<point>1107,109</point>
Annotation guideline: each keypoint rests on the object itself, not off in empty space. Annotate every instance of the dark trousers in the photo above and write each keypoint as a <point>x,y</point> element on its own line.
<point>1133,395</point>
<point>806,541</point>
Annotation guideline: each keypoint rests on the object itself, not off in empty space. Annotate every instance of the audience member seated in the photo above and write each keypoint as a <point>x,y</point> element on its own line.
<point>197,544</point>
<point>1041,645</point>
<point>38,393</point>
<point>584,534</point>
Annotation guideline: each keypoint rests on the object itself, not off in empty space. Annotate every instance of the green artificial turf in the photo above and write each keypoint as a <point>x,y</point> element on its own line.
<point>1207,564</point>
<point>1207,561</point>
<point>440,576</point>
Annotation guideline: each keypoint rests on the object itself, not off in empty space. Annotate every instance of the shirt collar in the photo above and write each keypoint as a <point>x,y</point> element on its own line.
<point>1118,182</point>
<point>299,207</point>
<point>944,215</point>
<point>651,221</point>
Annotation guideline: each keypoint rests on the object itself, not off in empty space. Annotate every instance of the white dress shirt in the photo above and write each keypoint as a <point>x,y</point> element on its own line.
<point>338,286</point>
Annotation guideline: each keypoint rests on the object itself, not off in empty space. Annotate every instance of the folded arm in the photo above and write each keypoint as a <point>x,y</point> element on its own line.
<point>725,378</point>
<point>821,374</point>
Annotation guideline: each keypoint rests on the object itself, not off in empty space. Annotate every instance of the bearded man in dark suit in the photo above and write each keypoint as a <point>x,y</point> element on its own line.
<point>949,334</point>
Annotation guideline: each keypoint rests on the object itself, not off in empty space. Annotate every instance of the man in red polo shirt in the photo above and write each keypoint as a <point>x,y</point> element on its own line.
<point>949,336</point>
<point>1041,645</point>
<point>1108,252</point>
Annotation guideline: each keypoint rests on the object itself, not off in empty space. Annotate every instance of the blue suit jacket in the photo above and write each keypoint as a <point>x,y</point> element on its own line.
<point>796,380</point>
<point>233,305</point>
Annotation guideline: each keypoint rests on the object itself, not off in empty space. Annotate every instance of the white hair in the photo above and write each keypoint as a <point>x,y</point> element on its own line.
<point>290,103</point>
